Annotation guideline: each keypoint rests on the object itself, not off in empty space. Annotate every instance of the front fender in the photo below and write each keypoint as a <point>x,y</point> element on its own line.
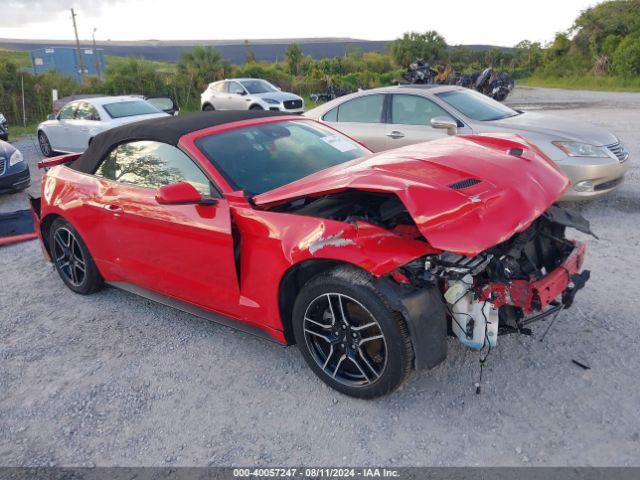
<point>289,239</point>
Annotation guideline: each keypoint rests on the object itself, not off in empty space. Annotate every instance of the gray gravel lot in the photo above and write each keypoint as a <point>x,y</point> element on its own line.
<point>113,379</point>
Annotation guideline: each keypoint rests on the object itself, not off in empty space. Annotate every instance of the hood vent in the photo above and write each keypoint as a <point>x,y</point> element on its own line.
<point>469,182</point>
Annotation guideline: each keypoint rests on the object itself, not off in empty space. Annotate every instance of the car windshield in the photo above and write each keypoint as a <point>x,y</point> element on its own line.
<point>258,86</point>
<point>259,158</point>
<point>129,108</point>
<point>476,106</point>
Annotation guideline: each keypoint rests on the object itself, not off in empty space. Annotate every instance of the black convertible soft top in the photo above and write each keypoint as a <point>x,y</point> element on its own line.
<point>164,129</point>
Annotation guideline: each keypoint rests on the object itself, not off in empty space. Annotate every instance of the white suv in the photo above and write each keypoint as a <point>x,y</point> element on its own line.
<point>249,94</point>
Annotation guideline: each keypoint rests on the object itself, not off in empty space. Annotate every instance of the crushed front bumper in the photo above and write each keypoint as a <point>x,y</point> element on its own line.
<point>535,294</point>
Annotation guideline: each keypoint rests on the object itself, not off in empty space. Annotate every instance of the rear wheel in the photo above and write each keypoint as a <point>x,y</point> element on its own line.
<point>45,145</point>
<point>349,336</point>
<point>72,259</point>
<point>256,107</point>
<point>208,108</point>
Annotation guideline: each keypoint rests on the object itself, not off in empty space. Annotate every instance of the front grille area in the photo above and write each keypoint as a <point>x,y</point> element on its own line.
<point>292,104</point>
<point>3,165</point>
<point>619,151</point>
<point>469,182</point>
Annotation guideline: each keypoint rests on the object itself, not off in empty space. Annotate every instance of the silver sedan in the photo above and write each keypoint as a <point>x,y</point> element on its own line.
<point>594,159</point>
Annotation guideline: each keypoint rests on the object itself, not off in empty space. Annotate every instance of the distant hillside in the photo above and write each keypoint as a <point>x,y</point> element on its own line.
<point>233,51</point>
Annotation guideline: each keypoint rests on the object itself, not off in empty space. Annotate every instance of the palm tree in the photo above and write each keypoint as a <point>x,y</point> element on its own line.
<point>202,65</point>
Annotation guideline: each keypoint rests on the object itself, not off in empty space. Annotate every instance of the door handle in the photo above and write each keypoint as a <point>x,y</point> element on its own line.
<point>115,209</point>
<point>395,134</point>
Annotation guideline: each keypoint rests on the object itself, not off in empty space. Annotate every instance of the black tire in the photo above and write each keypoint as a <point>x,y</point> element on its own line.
<point>255,107</point>
<point>208,108</point>
<point>45,145</point>
<point>384,363</point>
<point>69,256</point>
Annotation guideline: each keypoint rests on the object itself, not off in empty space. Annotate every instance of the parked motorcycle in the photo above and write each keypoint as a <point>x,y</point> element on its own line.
<point>420,72</point>
<point>330,93</point>
<point>493,84</point>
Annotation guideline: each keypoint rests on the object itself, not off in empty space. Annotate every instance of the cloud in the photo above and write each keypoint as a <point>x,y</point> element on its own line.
<point>19,13</point>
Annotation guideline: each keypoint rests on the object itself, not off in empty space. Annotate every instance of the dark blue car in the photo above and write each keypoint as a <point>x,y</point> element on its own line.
<point>14,171</point>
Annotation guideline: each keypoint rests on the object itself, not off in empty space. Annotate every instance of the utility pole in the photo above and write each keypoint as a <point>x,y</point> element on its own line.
<point>95,53</point>
<point>80,60</point>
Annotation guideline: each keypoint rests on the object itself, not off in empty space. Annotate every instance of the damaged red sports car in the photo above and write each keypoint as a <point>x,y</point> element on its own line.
<point>286,228</point>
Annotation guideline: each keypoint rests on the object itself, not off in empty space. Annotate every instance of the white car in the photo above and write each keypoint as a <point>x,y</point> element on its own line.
<point>73,128</point>
<point>249,94</point>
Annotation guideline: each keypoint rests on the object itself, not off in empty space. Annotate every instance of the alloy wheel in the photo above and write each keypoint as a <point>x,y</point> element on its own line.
<point>69,257</point>
<point>45,147</point>
<point>345,340</point>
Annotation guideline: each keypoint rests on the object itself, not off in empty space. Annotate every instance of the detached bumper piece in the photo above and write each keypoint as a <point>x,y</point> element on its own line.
<point>535,295</point>
<point>16,227</point>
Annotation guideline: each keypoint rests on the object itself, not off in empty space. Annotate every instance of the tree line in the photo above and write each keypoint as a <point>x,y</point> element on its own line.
<point>603,41</point>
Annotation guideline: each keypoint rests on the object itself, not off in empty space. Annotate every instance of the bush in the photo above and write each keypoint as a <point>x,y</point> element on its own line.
<point>626,59</point>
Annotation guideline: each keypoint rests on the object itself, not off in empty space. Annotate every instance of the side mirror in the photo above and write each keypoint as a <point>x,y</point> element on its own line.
<point>181,193</point>
<point>51,116</point>
<point>242,92</point>
<point>166,104</point>
<point>448,124</point>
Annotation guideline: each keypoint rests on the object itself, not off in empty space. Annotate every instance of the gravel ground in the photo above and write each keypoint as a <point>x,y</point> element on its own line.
<point>113,379</point>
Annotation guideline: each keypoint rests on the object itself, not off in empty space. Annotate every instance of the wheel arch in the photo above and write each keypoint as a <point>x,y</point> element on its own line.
<point>45,228</point>
<point>293,280</point>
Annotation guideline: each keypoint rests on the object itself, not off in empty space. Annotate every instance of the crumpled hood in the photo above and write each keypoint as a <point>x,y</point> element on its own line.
<point>554,127</point>
<point>506,194</point>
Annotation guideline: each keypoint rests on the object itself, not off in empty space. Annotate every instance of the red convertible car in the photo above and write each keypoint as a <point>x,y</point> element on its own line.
<point>286,228</point>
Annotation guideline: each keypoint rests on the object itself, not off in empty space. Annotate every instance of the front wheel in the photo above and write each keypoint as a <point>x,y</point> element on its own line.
<point>349,336</point>
<point>45,145</point>
<point>72,259</point>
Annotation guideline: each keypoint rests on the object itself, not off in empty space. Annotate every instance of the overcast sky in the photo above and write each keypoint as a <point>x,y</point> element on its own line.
<point>497,22</point>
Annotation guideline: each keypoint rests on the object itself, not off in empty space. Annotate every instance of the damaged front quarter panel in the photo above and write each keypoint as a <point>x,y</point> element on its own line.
<point>335,240</point>
<point>270,244</point>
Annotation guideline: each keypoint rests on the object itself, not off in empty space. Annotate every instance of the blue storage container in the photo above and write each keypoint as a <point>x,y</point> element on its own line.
<point>65,60</point>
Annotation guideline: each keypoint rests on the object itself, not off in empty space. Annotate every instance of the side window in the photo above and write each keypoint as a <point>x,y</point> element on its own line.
<point>331,115</point>
<point>217,87</point>
<point>86,111</point>
<point>415,110</point>
<point>235,87</point>
<point>152,165</point>
<point>366,109</point>
<point>67,112</point>
<point>224,87</point>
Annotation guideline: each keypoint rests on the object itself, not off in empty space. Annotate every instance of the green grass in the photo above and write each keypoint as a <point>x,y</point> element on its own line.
<point>585,82</point>
<point>308,103</point>
<point>114,60</point>
<point>20,58</point>
<point>17,131</point>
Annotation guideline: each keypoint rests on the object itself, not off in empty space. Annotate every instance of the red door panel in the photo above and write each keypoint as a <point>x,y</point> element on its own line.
<point>183,251</point>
